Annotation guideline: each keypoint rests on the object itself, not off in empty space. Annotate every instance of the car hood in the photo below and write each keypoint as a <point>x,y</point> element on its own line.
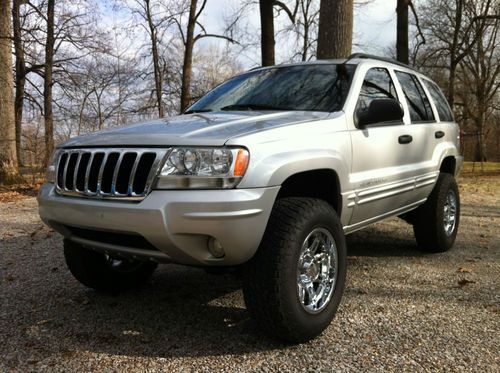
<point>197,129</point>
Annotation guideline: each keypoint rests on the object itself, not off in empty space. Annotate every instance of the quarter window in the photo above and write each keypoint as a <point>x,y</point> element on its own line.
<point>377,84</point>
<point>418,103</point>
<point>442,106</point>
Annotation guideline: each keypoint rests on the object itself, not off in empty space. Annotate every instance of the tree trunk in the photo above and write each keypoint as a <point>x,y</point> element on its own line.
<point>451,83</point>
<point>454,52</point>
<point>305,44</point>
<point>305,41</point>
<point>48,83</point>
<point>335,29</point>
<point>8,158</point>
<point>156,59</point>
<point>402,31</point>
<point>187,67</point>
<point>267,32</point>
<point>20,76</point>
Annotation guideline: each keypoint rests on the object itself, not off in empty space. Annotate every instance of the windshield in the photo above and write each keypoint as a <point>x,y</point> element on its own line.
<point>321,87</point>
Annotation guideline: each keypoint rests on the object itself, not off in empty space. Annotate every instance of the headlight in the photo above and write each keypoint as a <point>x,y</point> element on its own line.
<point>50,175</point>
<point>203,168</point>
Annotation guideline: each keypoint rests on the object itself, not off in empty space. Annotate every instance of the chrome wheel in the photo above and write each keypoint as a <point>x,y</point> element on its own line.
<point>317,270</point>
<point>450,213</point>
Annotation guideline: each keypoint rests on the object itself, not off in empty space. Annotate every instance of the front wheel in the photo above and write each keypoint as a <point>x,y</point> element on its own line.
<point>294,283</point>
<point>436,221</point>
<point>103,272</point>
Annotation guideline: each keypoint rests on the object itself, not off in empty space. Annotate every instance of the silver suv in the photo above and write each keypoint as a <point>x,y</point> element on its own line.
<point>268,172</point>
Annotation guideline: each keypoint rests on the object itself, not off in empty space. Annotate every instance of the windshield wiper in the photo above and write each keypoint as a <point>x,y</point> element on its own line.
<point>252,107</point>
<point>197,111</point>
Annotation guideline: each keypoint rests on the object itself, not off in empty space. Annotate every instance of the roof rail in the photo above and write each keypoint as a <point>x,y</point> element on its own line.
<point>390,60</point>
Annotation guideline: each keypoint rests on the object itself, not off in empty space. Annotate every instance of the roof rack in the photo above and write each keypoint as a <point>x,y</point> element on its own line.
<point>371,56</point>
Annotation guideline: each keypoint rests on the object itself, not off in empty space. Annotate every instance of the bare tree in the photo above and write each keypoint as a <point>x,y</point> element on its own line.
<point>189,39</point>
<point>48,82</point>
<point>8,157</point>
<point>402,27</point>
<point>267,32</point>
<point>335,29</point>
<point>451,28</point>
<point>212,65</point>
<point>266,10</point>
<point>463,57</point>
<point>157,16</point>
<point>20,74</point>
<point>304,31</point>
<point>307,25</point>
<point>54,35</point>
<point>402,31</point>
<point>153,34</point>
<point>479,77</point>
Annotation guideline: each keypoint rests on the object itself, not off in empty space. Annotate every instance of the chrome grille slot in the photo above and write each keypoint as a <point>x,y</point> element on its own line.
<point>93,172</point>
<point>108,172</point>
<point>141,174</point>
<point>124,173</point>
<point>70,171</point>
<point>81,172</point>
<point>61,166</point>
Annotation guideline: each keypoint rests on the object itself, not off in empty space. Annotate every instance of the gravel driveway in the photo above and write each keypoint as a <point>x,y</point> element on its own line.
<point>402,310</point>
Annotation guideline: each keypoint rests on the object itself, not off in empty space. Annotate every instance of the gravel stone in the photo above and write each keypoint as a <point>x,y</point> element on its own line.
<point>402,310</point>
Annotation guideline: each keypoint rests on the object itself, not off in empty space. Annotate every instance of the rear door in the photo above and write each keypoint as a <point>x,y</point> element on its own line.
<point>425,133</point>
<point>445,130</point>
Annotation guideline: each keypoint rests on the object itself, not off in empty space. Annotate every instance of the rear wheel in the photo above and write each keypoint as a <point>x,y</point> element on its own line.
<point>294,283</point>
<point>103,272</point>
<point>436,221</point>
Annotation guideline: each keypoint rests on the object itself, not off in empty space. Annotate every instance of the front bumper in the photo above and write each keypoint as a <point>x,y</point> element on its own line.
<point>176,223</point>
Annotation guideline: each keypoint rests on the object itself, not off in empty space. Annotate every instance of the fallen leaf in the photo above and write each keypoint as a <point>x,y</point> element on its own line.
<point>463,281</point>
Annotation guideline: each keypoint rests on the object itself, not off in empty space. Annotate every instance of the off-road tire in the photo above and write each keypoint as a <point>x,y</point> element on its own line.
<point>92,269</point>
<point>270,278</point>
<point>429,225</point>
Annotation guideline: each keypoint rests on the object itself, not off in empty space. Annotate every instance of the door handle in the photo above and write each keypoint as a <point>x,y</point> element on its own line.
<point>405,139</point>
<point>439,134</point>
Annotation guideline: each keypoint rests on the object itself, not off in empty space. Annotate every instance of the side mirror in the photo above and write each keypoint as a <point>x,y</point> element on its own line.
<point>381,110</point>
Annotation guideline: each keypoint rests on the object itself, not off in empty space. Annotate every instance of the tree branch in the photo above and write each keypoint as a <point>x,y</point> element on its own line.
<point>201,36</point>
<point>287,10</point>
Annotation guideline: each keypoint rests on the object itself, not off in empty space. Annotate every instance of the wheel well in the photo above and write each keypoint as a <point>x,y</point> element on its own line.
<point>448,165</point>
<point>323,184</point>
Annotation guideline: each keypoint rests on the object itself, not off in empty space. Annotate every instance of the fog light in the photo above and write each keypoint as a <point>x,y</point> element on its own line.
<point>215,247</point>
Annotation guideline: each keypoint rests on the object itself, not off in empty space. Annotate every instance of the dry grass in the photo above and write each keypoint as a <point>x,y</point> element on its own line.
<point>18,192</point>
<point>478,168</point>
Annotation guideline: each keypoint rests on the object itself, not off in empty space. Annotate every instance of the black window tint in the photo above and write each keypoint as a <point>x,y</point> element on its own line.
<point>321,87</point>
<point>442,106</point>
<point>377,84</point>
<point>418,103</point>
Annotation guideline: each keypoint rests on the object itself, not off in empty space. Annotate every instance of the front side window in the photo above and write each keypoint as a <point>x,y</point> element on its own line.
<point>418,103</point>
<point>377,84</point>
<point>321,87</point>
<point>442,106</point>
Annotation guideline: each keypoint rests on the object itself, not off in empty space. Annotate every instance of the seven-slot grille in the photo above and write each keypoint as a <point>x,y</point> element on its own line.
<point>107,173</point>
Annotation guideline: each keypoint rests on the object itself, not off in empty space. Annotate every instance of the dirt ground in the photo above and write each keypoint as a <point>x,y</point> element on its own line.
<point>402,310</point>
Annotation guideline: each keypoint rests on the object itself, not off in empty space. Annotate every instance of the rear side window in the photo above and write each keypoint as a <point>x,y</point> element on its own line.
<point>377,84</point>
<point>418,103</point>
<point>442,106</point>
